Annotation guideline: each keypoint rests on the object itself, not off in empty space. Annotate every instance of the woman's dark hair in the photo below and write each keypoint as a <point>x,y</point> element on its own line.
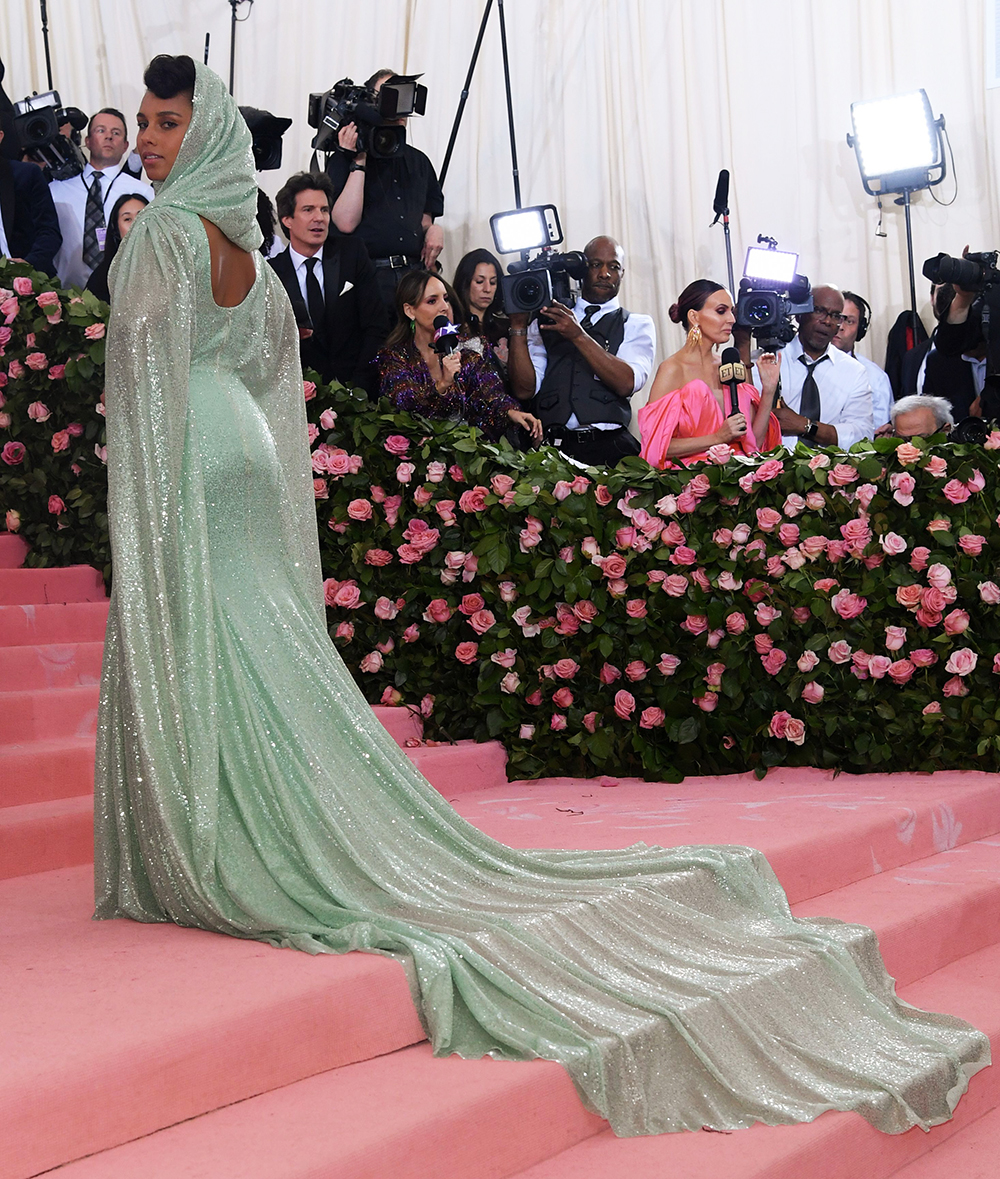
<point>463,281</point>
<point>98,281</point>
<point>693,298</point>
<point>265,219</point>
<point>409,293</point>
<point>166,76</point>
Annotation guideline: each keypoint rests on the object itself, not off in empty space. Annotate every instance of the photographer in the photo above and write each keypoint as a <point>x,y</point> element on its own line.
<point>962,334</point>
<point>29,227</point>
<point>389,203</point>
<point>590,361</point>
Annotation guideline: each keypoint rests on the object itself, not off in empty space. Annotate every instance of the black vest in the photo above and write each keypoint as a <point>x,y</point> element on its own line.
<point>570,385</point>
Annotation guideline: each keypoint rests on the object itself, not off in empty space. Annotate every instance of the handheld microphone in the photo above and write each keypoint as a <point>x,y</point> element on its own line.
<point>731,372</point>
<point>721,202</point>
<point>445,336</point>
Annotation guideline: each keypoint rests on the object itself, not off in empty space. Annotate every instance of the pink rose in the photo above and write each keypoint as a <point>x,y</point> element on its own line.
<point>779,722</point>
<point>763,644</point>
<point>892,544</point>
<point>38,361</point>
<point>971,544</point>
<point>56,505</point>
<point>501,484</point>
<point>767,519</point>
<point>815,500</point>
<point>473,500</point>
<point>926,618</point>
<point>807,661</point>
<point>359,509</point>
<point>562,698</point>
<point>918,558</point>
<point>989,591</point>
<point>308,389</point>
<point>956,623</point>
<point>736,623</point>
<point>456,472</point>
<point>795,731</point>
<point>788,534</point>
<point>565,669</point>
<point>348,596</point>
<point>508,591</point>
<point>895,638</point>
<point>614,566</point>
<point>956,686</point>
<point>23,286</point>
<point>765,614</point>
<point>470,603</point>
<point>668,664</point>
<point>510,683</point>
<point>936,466</point>
<point>675,585</point>
<point>769,469</point>
<point>839,652</point>
<point>939,576</point>
<point>422,496</point>
<point>378,557</point>
<point>976,482</point>
<point>372,662</point>
<point>801,614</point>
<point>14,452</point>
<point>602,495</point>
<point>466,652</point>
<point>12,520</point>
<point>931,598</point>
<point>327,419</point>
<point>397,445</point>
<point>481,621</point>
<point>635,608</point>
<point>878,666</point>
<point>841,475</point>
<point>526,732</point>
<point>15,370</point>
<point>901,671</point>
<point>865,494</point>
<point>39,412</point>
<point>902,484</point>
<point>505,658</point>
<point>720,453</point>
<point>813,546</point>
<point>652,718</point>
<point>585,610</point>
<point>774,660</point>
<point>812,693</point>
<point>437,610</point>
<point>636,670</point>
<point>435,472</point>
<point>404,472</point>
<point>939,525</point>
<point>535,698</point>
<point>412,633</point>
<point>707,703</point>
<point>954,491</point>
<point>907,453</point>
<point>714,673</point>
<point>557,723</point>
<point>847,605</point>
<point>609,673</point>
<point>624,704</point>
<point>909,596</point>
<point>562,490</point>
<point>695,624</point>
<point>931,709</point>
<point>819,461</point>
<point>923,657</point>
<point>385,609</point>
<point>391,697</point>
<point>95,331</point>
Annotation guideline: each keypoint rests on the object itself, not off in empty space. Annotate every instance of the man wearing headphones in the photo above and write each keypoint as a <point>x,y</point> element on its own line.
<point>854,325</point>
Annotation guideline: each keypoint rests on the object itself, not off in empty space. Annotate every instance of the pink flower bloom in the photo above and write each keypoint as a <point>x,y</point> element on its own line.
<point>939,525</point>
<point>736,623</point>
<point>308,389</point>
<point>327,419</point>
<point>473,500</point>
<point>12,520</point>
<point>562,698</point>
<point>769,469</point>
<point>378,557</point>
<point>609,673</point>
<point>801,614</point>
<point>652,718</point>
<point>385,608</point>
<point>602,495</point>
<point>901,672</point>
<point>23,286</point>
<point>895,638</point>
<point>635,608</point>
<point>779,722</point>
<point>902,484</point>
<point>918,558</point>
<point>861,659</point>
<point>359,509</point>
<point>557,723</point>
<point>38,361</point>
<point>993,442</point>
<point>56,505</point>
<point>507,591</point>
<point>60,440</point>
<point>624,704</point>
<point>625,537</point>
<point>397,445</point>
<point>976,482</point>
<point>879,666</point>
<point>412,633</point>
<point>505,658</point>
<point>510,683</point>
<point>956,623</point>
<point>767,519</point>
<point>471,603</point>
<point>936,466</point>
<point>971,544</point>
<point>348,596</point>
<point>565,669</point>
<point>562,490</point>
<point>720,453</point>
<point>466,652</point>
<point>938,576</point>
<point>391,697</point>
<point>535,698</point>
<point>892,544</point>
<point>865,494</point>
<point>95,331</point>
<point>841,475</point>
<point>927,618</point>
<point>714,673</point>
<point>15,370</point>
<point>585,610</point>
<point>39,412</point>
<point>956,686</point>
<point>813,546</point>
<point>675,585</point>
<point>526,732</point>
<point>774,661</point>
<point>989,591</point>
<point>807,661</point>
<point>372,662</point>
<point>13,452</point>
<point>668,664</point>
<point>839,652</point>
<point>481,621</point>
<point>456,472</point>
<point>931,709</point>
<point>909,596</point>
<point>614,566</point>
<point>765,614</point>
<point>907,453</point>
<point>707,703</point>
<point>923,657</point>
<point>815,501</point>
<point>847,605</point>
<point>812,693</point>
<point>795,731</point>
<point>788,534</point>
<point>819,461</point>
<point>437,610</point>
<point>422,496</point>
<point>695,624</point>
<point>404,472</point>
<point>636,670</point>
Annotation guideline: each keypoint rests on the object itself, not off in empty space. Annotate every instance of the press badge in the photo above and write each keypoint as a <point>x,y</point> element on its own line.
<point>102,234</point>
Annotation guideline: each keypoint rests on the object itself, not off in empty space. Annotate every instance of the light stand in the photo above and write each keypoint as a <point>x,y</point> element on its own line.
<point>234,4</point>
<point>465,94</point>
<point>45,40</point>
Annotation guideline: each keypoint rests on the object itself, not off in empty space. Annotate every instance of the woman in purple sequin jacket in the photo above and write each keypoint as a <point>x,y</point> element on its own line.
<point>462,385</point>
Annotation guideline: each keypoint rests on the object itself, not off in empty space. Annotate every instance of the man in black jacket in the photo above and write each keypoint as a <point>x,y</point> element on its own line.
<point>29,227</point>
<point>972,329</point>
<point>331,283</point>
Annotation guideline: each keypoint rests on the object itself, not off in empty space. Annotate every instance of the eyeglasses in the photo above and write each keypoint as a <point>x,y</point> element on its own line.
<point>595,265</point>
<point>826,313</point>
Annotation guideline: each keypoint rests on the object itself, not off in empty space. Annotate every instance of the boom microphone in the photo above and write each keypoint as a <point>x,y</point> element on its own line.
<point>445,336</point>
<point>721,202</point>
<point>732,372</point>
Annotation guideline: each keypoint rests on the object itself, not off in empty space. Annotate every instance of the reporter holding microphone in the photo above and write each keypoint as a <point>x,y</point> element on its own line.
<point>425,369</point>
<point>689,408</point>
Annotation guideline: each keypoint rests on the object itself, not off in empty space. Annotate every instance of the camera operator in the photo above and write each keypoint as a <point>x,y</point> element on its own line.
<point>854,326</point>
<point>920,417</point>
<point>389,203</point>
<point>84,202</point>
<point>589,363</point>
<point>826,399</point>
<point>29,227</point>
<point>966,332</point>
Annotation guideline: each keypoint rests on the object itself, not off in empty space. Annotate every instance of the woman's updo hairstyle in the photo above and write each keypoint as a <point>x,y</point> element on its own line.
<point>692,298</point>
<point>168,76</point>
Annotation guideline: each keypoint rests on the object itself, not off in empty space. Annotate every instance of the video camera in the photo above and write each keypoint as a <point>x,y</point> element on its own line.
<point>37,120</point>
<point>771,292</point>
<point>533,283</point>
<point>973,272</point>
<point>398,97</point>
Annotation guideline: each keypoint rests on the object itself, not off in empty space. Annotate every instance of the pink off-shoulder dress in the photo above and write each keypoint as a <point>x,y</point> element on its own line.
<point>693,412</point>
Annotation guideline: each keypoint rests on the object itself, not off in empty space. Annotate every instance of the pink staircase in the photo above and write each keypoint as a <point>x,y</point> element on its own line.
<point>163,1052</point>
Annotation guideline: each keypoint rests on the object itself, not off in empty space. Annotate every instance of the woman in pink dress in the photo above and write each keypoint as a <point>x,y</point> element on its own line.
<point>688,407</point>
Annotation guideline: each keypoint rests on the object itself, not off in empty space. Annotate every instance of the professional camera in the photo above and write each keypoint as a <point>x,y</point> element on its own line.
<point>398,97</point>
<point>36,127</point>
<point>974,272</point>
<point>771,292</point>
<point>533,283</point>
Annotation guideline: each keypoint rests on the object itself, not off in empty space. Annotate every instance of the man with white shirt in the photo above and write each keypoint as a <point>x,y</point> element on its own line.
<point>84,203</point>
<point>854,325</point>
<point>331,283</point>
<point>591,359</point>
<point>826,399</point>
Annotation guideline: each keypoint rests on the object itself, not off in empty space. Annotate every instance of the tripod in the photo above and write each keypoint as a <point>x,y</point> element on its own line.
<point>465,95</point>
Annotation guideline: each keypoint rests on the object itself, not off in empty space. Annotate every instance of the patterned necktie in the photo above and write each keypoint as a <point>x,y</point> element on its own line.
<point>809,402</point>
<point>93,219</point>
<point>588,316</point>
<point>314,298</point>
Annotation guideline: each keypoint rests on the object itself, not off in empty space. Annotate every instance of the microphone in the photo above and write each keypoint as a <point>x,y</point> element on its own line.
<point>721,202</point>
<point>732,371</point>
<point>445,336</point>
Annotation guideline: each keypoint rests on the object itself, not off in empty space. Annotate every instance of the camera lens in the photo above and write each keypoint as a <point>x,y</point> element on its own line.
<point>758,311</point>
<point>385,142</point>
<point>37,131</point>
<point>530,291</point>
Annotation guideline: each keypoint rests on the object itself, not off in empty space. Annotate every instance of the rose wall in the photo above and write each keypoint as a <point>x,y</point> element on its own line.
<point>811,608</point>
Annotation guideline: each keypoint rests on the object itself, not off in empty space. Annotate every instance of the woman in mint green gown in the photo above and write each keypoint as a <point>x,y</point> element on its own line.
<point>244,786</point>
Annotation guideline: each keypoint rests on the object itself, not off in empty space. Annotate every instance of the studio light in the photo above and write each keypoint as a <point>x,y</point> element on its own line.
<point>770,266</point>
<point>898,144</point>
<point>526,229</point>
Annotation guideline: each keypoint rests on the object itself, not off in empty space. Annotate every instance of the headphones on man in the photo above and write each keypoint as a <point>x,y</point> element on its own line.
<point>864,314</point>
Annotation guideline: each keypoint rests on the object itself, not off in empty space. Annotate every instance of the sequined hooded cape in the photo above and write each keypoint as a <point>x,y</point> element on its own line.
<point>243,785</point>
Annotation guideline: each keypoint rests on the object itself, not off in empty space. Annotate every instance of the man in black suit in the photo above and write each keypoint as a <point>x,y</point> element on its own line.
<point>29,227</point>
<point>331,283</point>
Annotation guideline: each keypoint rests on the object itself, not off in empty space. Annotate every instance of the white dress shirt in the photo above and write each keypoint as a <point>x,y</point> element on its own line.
<point>70,200</point>
<point>637,349</point>
<point>845,397</point>
<point>301,273</point>
<point>4,247</point>
<point>881,388</point>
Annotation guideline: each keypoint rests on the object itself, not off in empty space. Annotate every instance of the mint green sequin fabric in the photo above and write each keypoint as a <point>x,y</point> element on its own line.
<point>244,786</point>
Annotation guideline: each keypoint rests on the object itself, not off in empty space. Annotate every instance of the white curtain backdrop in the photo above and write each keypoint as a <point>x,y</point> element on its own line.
<point>625,112</point>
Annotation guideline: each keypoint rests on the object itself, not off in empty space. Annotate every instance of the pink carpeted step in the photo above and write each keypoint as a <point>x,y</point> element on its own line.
<point>13,550</point>
<point>402,724</point>
<point>42,836</point>
<point>46,714</point>
<point>71,583</point>
<point>835,1146</point>
<point>54,665</point>
<point>46,770</point>
<point>31,625</point>
<point>819,832</point>
<point>411,1116</point>
<point>456,769</point>
<point>972,1153</point>
<point>113,1029</point>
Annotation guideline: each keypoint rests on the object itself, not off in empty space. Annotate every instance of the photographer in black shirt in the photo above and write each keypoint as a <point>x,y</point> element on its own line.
<point>389,203</point>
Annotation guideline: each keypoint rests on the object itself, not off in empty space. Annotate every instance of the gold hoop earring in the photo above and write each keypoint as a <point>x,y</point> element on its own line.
<point>694,335</point>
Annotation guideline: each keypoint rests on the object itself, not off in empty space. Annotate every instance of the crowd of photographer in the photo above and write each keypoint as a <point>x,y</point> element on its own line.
<point>522,357</point>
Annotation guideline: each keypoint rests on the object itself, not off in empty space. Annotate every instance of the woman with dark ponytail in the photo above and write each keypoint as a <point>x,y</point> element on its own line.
<point>688,409</point>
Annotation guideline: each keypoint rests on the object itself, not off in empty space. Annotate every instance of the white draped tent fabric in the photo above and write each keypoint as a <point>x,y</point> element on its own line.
<point>625,112</point>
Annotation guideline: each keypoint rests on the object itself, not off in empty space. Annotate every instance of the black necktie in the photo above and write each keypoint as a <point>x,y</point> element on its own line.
<point>809,401</point>
<point>93,219</point>
<point>588,317</point>
<point>314,298</point>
